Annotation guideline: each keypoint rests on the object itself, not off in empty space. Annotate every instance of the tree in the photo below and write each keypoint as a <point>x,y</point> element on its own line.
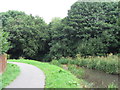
<point>55,28</point>
<point>4,44</point>
<point>90,20</point>
<point>27,34</point>
<point>89,29</point>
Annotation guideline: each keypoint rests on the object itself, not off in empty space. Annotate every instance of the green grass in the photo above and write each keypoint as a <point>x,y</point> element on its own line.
<point>12,71</point>
<point>112,86</point>
<point>56,77</point>
<point>78,72</point>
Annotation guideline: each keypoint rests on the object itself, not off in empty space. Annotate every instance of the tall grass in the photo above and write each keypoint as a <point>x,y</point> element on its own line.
<point>109,64</point>
<point>112,86</point>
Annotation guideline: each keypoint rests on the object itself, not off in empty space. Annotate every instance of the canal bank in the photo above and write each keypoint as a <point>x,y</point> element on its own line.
<point>98,79</point>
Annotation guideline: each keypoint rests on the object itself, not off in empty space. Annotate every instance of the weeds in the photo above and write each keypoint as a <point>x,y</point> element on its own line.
<point>112,86</point>
<point>109,64</point>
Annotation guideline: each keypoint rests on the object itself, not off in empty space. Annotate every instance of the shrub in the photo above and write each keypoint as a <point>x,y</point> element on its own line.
<point>55,62</point>
<point>112,85</point>
<point>4,45</point>
<point>63,61</point>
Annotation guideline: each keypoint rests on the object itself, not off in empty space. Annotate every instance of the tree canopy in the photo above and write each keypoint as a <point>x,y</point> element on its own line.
<point>89,29</point>
<point>27,33</point>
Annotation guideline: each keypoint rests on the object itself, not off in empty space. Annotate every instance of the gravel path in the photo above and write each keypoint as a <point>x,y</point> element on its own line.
<point>30,77</point>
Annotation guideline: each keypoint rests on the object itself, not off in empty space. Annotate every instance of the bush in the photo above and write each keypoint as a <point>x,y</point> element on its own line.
<point>4,44</point>
<point>55,62</point>
<point>63,61</point>
<point>111,86</point>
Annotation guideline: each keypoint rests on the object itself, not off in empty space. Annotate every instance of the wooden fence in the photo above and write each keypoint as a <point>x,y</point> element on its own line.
<point>3,62</point>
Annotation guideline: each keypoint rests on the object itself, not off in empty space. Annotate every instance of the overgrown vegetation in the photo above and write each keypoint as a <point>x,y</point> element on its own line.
<point>12,71</point>
<point>79,72</point>
<point>85,31</point>
<point>4,44</point>
<point>112,86</point>
<point>56,77</point>
<point>109,64</point>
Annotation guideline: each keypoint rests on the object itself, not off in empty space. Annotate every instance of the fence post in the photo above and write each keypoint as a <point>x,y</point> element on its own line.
<point>3,63</point>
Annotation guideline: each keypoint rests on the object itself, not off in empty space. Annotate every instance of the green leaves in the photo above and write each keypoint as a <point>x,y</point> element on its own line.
<point>4,44</point>
<point>91,28</point>
<point>92,47</point>
<point>94,26</point>
<point>27,33</point>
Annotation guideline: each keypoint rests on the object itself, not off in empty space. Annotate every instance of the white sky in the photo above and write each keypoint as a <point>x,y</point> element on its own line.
<point>47,9</point>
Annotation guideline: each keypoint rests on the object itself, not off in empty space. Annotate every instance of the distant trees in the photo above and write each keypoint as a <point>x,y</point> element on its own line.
<point>27,33</point>
<point>91,28</point>
<point>56,47</point>
<point>118,35</point>
<point>95,30</point>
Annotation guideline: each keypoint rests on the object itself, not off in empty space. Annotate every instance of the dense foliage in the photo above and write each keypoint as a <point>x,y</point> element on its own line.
<point>90,29</point>
<point>109,64</point>
<point>4,44</point>
<point>27,35</point>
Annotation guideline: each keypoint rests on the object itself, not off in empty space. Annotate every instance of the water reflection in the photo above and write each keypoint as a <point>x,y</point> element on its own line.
<point>99,78</point>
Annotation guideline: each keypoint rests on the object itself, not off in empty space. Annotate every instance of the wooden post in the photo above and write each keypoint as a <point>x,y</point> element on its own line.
<point>3,63</point>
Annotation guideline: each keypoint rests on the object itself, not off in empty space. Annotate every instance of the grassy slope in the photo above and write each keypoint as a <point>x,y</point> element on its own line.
<point>56,77</point>
<point>78,72</point>
<point>9,75</point>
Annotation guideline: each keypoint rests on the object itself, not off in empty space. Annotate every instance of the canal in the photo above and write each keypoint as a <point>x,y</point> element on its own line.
<point>100,79</point>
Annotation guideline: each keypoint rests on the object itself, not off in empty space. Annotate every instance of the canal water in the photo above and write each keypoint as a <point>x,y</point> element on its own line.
<point>100,79</point>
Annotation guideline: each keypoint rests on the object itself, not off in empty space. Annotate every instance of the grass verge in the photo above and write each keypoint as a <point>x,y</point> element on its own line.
<point>12,71</point>
<point>78,72</point>
<point>56,77</point>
